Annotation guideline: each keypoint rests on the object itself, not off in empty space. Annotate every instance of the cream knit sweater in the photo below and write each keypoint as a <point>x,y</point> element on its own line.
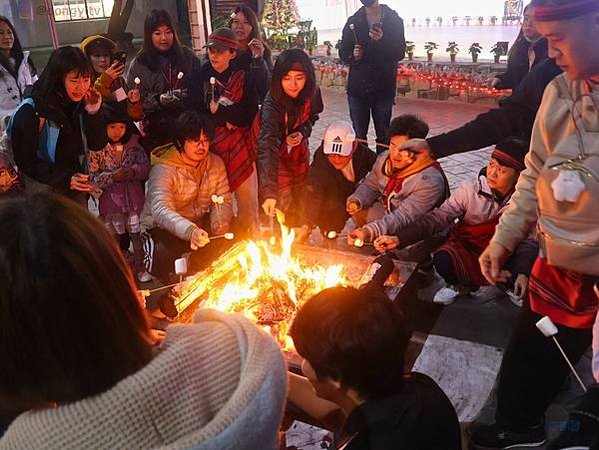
<point>217,384</point>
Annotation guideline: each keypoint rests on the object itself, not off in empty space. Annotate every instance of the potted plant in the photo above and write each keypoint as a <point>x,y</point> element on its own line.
<point>497,52</point>
<point>481,20</point>
<point>475,50</point>
<point>455,19</point>
<point>414,21</point>
<point>428,21</point>
<point>430,47</point>
<point>452,49</point>
<point>467,19</point>
<point>410,46</point>
<point>440,21</point>
<point>493,20</point>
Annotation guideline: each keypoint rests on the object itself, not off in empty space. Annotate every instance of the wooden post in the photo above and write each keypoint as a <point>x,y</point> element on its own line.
<point>51,22</point>
<point>199,23</point>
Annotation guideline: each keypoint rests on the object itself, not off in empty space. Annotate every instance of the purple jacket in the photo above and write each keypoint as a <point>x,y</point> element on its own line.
<point>120,196</point>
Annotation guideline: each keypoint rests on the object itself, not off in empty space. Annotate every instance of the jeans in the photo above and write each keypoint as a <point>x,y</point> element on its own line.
<point>360,110</point>
<point>533,370</point>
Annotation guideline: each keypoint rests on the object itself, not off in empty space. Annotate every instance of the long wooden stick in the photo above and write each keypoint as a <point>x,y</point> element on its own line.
<point>364,141</point>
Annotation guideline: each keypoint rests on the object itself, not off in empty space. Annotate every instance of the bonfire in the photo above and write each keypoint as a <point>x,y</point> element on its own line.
<point>263,282</point>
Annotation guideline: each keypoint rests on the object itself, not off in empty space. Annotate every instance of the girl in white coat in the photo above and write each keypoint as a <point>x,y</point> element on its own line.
<point>17,71</point>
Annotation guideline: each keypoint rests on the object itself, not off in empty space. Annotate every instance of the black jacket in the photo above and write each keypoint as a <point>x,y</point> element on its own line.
<point>514,117</point>
<point>374,76</point>
<point>158,80</point>
<point>260,69</point>
<point>240,114</point>
<point>69,147</point>
<point>518,64</point>
<point>273,132</point>
<point>324,202</point>
<point>418,417</point>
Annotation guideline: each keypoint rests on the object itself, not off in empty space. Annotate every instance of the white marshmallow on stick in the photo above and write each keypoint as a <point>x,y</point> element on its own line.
<point>181,266</point>
<point>352,27</point>
<point>548,328</point>
<point>217,200</point>
<point>213,87</point>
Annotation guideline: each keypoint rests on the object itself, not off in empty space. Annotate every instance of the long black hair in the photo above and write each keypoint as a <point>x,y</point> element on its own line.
<point>284,64</point>
<point>61,62</point>
<point>16,52</point>
<point>71,325</point>
<point>148,55</point>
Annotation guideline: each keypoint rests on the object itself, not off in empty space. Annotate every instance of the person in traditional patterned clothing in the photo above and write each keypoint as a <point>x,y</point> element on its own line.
<point>559,190</point>
<point>477,205</point>
<point>289,112</point>
<point>229,96</point>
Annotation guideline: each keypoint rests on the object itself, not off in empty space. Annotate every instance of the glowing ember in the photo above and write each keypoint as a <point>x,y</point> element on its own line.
<point>358,243</point>
<point>332,234</point>
<point>263,284</point>
<point>229,236</point>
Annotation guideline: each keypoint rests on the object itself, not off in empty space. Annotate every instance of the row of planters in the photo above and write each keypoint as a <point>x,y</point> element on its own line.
<point>498,50</point>
<point>441,82</point>
<point>466,20</point>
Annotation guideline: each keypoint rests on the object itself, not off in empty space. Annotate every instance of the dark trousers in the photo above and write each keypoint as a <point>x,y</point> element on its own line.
<point>533,370</point>
<point>444,267</point>
<point>360,110</point>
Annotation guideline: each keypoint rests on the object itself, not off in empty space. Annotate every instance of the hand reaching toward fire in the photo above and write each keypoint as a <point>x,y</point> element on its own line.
<point>386,243</point>
<point>199,239</point>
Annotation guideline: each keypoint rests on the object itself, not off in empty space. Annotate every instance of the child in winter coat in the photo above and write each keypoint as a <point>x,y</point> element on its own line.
<point>399,189</point>
<point>477,205</point>
<point>120,170</point>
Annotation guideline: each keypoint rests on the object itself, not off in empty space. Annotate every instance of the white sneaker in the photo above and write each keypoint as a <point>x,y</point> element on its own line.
<point>515,299</point>
<point>446,296</point>
<point>144,277</point>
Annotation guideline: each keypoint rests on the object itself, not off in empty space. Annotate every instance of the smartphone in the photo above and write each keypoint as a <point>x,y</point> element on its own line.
<point>378,26</point>
<point>121,57</point>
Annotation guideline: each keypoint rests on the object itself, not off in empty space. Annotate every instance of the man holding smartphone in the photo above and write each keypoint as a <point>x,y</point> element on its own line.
<point>371,45</point>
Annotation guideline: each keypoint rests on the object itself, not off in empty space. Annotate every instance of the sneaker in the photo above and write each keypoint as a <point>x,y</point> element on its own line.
<point>448,295</point>
<point>516,300</point>
<point>497,437</point>
<point>144,276</point>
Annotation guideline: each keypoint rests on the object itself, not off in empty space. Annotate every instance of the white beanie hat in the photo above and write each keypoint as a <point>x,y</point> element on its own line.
<point>339,139</point>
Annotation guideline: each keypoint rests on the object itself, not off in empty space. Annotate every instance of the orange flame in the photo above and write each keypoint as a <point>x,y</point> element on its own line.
<point>263,284</point>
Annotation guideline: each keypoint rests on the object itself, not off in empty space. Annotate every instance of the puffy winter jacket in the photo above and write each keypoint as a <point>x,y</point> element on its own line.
<point>12,90</point>
<point>179,195</point>
<point>419,194</point>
